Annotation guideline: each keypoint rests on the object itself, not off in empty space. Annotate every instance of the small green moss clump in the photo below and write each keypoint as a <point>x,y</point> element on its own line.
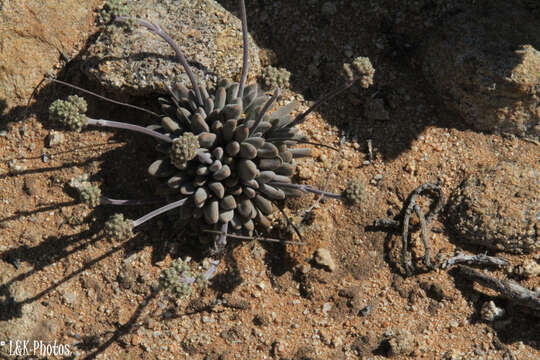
<point>355,192</point>
<point>118,228</point>
<point>183,149</point>
<point>360,69</point>
<point>70,112</point>
<point>275,78</point>
<point>173,279</point>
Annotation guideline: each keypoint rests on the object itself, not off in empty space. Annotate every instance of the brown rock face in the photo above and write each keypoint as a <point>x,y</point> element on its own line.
<point>486,66</point>
<point>498,208</point>
<point>32,34</point>
<point>140,63</point>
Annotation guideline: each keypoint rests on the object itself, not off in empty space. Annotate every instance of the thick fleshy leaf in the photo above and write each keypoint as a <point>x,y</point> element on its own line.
<point>228,203</point>
<point>300,152</point>
<point>264,205</point>
<point>200,197</point>
<point>266,176</point>
<point>263,220</point>
<point>207,139</point>
<point>270,164</point>
<point>286,156</point>
<point>228,130</point>
<point>222,173</point>
<point>252,184</point>
<point>232,90</point>
<point>216,165</point>
<point>218,153</point>
<point>286,170</point>
<point>202,170</point>
<point>211,212</point>
<point>170,125</point>
<point>198,125</point>
<point>272,192</point>
<point>249,192</point>
<point>176,181</point>
<point>232,148</point>
<point>221,98</point>
<point>248,151</point>
<point>217,188</point>
<point>226,216</point>
<point>268,150</point>
<point>245,207</point>
<point>256,141</point>
<point>241,133</point>
<point>247,170</point>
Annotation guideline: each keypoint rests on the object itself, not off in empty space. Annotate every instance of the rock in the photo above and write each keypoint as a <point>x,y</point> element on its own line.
<point>55,138</point>
<point>487,68</point>
<point>323,258</point>
<point>490,311</point>
<point>498,207</point>
<point>141,63</point>
<point>31,35</point>
<point>402,343</point>
<point>529,268</point>
<point>31,185</point>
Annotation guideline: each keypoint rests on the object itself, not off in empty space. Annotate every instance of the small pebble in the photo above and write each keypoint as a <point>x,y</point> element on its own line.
<point>323,258</point>
<point>529,268</point>
<point>490,312</point>
<point>55,138</point>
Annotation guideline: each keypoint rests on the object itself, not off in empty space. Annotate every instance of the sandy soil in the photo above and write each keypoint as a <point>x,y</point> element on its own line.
<point>63,281</point>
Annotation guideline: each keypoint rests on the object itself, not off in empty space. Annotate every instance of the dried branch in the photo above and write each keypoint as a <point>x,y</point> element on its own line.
<point>507,288</point>
<point>479,259</point>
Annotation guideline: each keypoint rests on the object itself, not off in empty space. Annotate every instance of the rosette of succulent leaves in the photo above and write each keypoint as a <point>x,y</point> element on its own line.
<point>224,156</point>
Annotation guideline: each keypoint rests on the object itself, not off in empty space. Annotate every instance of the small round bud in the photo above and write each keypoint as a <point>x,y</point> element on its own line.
<point>90,195</point>
<point>183,149</point>
<point>360,69</point>
<point>70,113</point>
<point>177,279</point>
<point>119,228</point>
<point>273,78</point>
<point>354,193</point>
<point>79,103</point>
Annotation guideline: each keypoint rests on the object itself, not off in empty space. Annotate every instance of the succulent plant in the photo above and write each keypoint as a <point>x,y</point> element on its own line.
<point>355,192</point>
<point>225,158</point>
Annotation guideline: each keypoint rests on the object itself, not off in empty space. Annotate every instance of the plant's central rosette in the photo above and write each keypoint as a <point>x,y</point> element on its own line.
<point>227,158</point>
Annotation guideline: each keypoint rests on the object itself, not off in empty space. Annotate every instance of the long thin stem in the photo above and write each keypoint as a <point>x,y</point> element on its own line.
<point>101,96</point>
<point>303,142</point>
<point>300,118</point>
<point>126,126</point>
<point>103,200</point>
<point>244,237</point>
<point>159,211</point>
<point>158,31</point>
<point>245,65</point>
<point>306,189</point>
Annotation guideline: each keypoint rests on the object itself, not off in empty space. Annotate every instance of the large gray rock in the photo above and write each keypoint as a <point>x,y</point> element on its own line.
<point>139,62</point>
<point>32,34</point>
<point>486,65</point>
<point>499,208</point>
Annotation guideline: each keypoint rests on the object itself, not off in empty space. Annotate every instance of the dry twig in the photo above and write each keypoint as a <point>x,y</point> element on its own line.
<point>479,259</point>
<point>508,289</point>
